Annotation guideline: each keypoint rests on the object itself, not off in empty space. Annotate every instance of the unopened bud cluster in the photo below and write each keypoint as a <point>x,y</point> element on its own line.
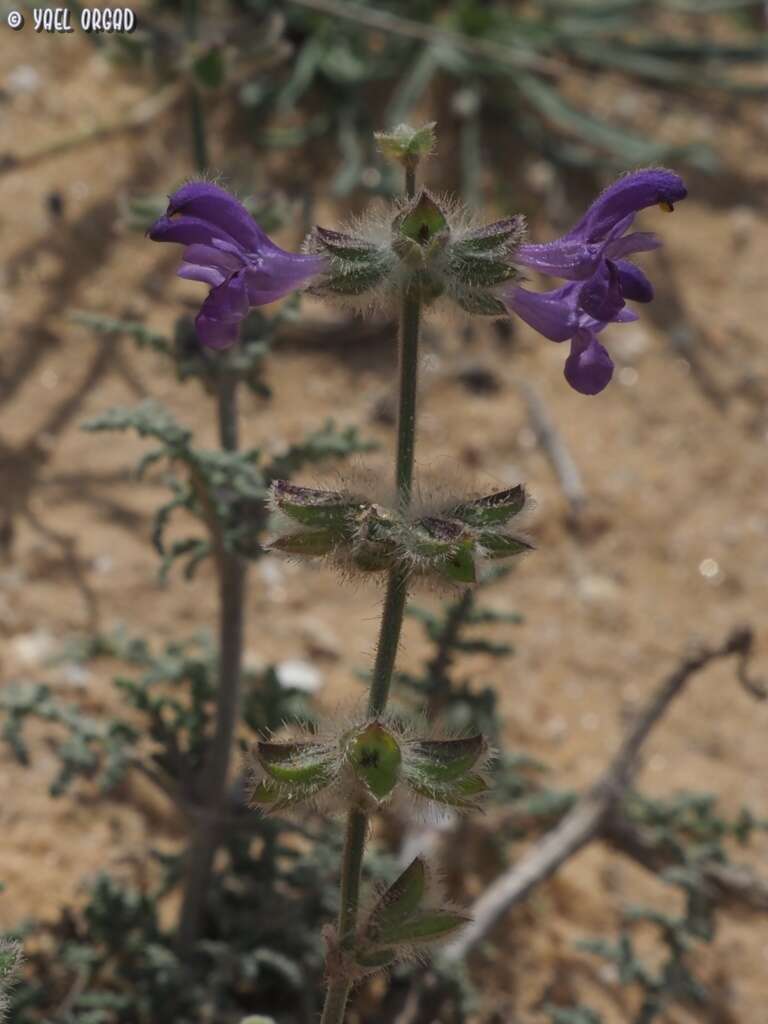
<point>365,764</point>
<point>451,542</point>
<point>422,244</point>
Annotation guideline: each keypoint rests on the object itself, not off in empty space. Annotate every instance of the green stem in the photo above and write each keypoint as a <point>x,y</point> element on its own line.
<point>354,847</point>
<point>389,634</point>
<point>206,836</point>
<point>336,1002</point>
<point>406,420</point>
<point>410,181</point>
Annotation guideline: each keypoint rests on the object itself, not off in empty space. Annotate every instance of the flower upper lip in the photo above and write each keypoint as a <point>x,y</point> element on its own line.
<point>600,234</point>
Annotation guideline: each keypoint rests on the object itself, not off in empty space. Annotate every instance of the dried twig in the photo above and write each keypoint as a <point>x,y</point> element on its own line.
<point>735,885</point>
<point>587,819</point>
<point>553,446</point>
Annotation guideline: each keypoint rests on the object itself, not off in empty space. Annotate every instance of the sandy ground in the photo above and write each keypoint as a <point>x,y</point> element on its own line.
<point>674,547</point>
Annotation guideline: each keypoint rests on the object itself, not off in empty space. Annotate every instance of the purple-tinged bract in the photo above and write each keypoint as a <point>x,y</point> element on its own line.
<point>226,249</point>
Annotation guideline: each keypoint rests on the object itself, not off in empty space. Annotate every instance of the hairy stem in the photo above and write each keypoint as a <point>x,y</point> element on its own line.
<point>354,847</point>
<point>410,181</point>
<point>389,634</point>
<point>213,793</point>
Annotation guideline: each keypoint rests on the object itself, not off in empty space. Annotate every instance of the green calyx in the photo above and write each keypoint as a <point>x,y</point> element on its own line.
<point>423,221</point>
<point>292,773</point>
<point>446,771</point>
<point>355,265</point>
<point>329,510</point>
<point>402,919</point>
<point>375,757</point>
<point>420,233</point>
<point>447,760</point>
<point>494,509</point>
<point>480,260</point>
<point>365,536</point>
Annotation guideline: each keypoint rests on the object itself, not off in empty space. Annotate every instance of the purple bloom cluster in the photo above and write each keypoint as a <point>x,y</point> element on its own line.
<point>592,257</point>
<point>227,250</point>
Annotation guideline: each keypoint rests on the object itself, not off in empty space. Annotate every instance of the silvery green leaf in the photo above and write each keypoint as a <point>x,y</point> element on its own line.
<point>400,902</point>
<point>430,926</point>
<point>312,543</point>
<point>492,509</point>
<point>481,303</point>
<point>500,545</point>
<point>303,763</point>
<point>447,760</point>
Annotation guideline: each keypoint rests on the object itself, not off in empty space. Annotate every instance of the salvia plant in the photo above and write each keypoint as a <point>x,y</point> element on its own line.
<point>269,915</point>
<point>422,251</point>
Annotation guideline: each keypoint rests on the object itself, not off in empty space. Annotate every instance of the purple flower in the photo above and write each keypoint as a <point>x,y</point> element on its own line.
<point>558,316</point>
<point>592,256</point>
<point>226,249</point>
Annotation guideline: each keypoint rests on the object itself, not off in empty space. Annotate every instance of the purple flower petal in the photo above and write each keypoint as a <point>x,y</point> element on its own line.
<point>279,273</point>
<point>552,313</point>
<point>638,241</point>
<point>208,263</point>
<point>601,296</point>
<point>216,333</point>
<point>624,316</point>
<point>573,260</point>
<point>589,368</point>
<point>185,231</point>
<point>222,211</point>
<point>634,284</point>
<point>195,272</point>
<point>218,321</point>
<point>624,198</point>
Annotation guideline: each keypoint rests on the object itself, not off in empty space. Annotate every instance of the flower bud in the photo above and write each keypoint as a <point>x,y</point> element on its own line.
<point>407,145</point>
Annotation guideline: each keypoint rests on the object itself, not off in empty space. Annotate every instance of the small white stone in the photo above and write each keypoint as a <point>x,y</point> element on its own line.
<point>628,376</point>
<point>103,564</point>
<point>556,727</point>
<point>74,674</point>
<point>526,438</point>
<point>632,342</point>
<point>299,675</point>
<point>23,79</point>
<point>598,588</point>
<point>709,568</point>
<point>33,648</point>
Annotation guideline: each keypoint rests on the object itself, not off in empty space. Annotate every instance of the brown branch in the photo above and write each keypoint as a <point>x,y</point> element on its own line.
<point>586,821</point>
<point>732,885</point>
<point>553,446</point>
